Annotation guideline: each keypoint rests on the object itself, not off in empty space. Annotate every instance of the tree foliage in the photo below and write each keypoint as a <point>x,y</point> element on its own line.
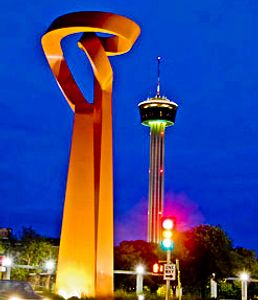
<point>209,251</point>
<point>33,249</point>
<point>2,248</point>
<point>244,259</point>
<point>129,254</point>
<point>30,249</point>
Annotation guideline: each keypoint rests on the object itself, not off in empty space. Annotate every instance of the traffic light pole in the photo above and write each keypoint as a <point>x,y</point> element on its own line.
<point>168,281</point>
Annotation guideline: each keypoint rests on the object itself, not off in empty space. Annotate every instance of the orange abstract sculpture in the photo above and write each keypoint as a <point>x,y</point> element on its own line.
<point>85,262</point>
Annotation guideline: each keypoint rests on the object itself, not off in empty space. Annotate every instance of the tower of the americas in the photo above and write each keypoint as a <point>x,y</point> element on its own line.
<point>157,113</point>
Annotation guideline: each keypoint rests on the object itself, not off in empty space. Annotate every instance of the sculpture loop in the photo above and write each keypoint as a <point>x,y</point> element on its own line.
<point>123,33</point>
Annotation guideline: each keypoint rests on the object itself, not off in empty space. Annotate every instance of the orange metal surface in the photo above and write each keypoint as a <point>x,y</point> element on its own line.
<point>85,263</point>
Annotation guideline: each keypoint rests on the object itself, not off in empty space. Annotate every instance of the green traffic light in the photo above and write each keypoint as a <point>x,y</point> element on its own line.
<point>167,244</point>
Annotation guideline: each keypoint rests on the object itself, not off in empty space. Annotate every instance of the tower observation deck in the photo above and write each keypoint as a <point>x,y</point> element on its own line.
<point>157,113</point>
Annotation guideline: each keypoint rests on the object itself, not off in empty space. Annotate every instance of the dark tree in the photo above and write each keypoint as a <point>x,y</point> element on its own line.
<point>244,260</point>
<point>208,251</point>
<point>131,253</point>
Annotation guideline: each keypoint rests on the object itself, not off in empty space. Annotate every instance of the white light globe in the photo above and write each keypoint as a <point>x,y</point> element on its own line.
<point>50,265</point>
<point>244,276</point>
<point>140,269</point>
<point>7,262</point>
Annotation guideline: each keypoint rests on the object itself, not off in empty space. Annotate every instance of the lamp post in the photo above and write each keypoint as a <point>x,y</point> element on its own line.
<point>139,279</point>
<point>7,262</point>
<point>50,267</point>
<point>213,286</point>
<point>244,277</point>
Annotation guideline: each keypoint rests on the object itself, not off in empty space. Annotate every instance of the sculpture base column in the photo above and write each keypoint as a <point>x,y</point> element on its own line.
<point>77,254</point>
<point>105,239</point>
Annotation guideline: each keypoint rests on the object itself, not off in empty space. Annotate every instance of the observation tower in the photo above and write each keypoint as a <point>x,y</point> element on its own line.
<point>157,113</point>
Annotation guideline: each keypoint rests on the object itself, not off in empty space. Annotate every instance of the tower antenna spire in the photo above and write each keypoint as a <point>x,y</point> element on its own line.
<point>158,71</point>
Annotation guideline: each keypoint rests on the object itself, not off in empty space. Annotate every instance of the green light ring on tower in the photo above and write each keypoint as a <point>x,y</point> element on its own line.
<point>153,122</point>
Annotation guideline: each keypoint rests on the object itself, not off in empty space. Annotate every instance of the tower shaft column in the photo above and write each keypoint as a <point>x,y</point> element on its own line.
<point>156,180</point>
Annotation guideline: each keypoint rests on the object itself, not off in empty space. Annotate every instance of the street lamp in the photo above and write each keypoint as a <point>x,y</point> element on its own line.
<point>140,269</point>
<point>139,278</point>
<point>50,267</point>
<point>7,262</point>
<point>244,277</point>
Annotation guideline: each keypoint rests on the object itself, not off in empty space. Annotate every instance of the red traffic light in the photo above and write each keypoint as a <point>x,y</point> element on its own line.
<point>157,268</point>
<point>168,223</point>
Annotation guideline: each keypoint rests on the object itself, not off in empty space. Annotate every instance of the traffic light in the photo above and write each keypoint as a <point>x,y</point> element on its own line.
<point>158,268</point>
<point>168,225</point>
